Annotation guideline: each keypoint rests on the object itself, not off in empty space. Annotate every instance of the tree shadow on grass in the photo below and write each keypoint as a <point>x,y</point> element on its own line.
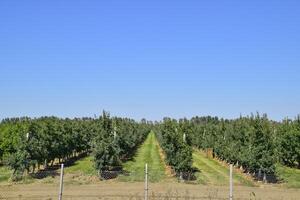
<point>129,156</point>
<point>189,175</point>
<point>53,171</point>
<point>41,174</point>
<point>269,178</point>
<point>113,172</point>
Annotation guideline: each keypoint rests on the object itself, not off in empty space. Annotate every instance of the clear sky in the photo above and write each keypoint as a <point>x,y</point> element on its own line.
<point>150,59</point>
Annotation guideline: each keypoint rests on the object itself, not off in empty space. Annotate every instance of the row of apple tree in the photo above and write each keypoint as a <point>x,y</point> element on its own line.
<point>175,139</point>
<point>254,143</point>
<point>117,141</point>
<point>29,144</point>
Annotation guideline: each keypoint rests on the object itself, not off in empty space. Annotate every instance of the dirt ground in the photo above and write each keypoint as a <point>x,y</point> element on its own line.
<point>126,190</point>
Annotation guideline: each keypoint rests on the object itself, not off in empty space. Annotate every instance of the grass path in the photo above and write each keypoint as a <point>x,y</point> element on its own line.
<point>213,173</point>
<point>149,153</point>
<point>290,176</point>
<point>5,174</point>
<point>84,166</point>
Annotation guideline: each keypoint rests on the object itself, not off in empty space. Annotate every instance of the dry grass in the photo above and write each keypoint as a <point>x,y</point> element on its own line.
<point>128,190</point>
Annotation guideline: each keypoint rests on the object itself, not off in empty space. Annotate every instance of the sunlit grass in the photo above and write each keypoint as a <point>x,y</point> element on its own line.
<point>5,173</point>
<point>84,166</point>
<point>290,176</point>
<point>214,173</point>
<point>147,153</point>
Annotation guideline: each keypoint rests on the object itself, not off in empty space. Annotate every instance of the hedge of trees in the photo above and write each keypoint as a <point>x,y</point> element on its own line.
<point>254,143</point>
<point>27,144</point>
<point>288,142</point>
<point>174,138</point>
<point>117,140</point>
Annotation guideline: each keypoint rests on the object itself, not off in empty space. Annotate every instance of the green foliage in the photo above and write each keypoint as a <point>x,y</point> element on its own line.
<point>246,141</point>
<point>289,142</point>
<point>175,140</point>
<point>29,143</point>
<point>254,142</point>
<point>106,155</point>
<point>26,144</point>
<point>19,162</point>
<point>116,140</point>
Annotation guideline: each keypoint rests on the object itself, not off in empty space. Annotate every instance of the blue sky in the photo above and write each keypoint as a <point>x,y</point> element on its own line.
<point>149,58</point>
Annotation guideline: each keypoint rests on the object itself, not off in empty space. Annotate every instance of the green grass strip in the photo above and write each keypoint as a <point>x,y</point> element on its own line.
<point>147,153</point>
<point>212,172</point>
<point>289,176</point>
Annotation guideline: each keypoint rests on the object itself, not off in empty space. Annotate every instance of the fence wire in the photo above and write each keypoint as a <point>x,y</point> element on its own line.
<point>121,184</point>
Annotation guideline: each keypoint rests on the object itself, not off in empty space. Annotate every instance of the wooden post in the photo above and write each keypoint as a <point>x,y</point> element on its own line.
<point>265,178</point>
<point>61,182</point>
<point>230,184</point>
<point>181,177</point>
<point>146,181</point>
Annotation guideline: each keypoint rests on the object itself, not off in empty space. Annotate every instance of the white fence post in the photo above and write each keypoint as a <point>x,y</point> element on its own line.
<point>61,182</point>
<point>230,184</point>
<point>146,181</point>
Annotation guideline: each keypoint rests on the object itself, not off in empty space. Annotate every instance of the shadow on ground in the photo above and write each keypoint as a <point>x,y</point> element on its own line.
<point>53,171</point>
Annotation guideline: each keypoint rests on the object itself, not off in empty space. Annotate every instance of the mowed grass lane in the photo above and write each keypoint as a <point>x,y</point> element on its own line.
<point>5,174</point>
<point>147,153</point>
<point>85,166</point>
<point>290,177</point>
<point>211,172</point>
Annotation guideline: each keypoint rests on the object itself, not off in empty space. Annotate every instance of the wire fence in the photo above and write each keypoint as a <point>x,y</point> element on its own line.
<point>148,184</point>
